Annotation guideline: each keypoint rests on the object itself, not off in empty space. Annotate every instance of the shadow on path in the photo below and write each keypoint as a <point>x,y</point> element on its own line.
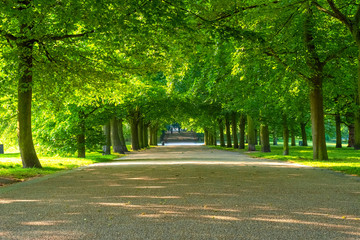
<point>182,192</point>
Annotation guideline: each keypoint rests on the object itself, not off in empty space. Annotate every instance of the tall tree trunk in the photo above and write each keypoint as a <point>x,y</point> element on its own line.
<point>285,136</point>
<point>242,123</point>
<point>251,133</point>
<point>338,130</point>
<point>293,140</point>
<point>206,137</point>
<point>146,135</point>
<point>317,123</point>
<point>80,136</point>
<point>141,132</point>
<point>256,135</point>
<point>234,129</point>
<point>303,134</point>
<point>26,144</point>
<point>275,137</point>
<point>227,129</point>
<point>221,132</point>
<point>356,35</point>
<point>121,136</point>
<point>351,139</point>
<point>265,138</point>
<point>115,139</point>
<point>134,131</point>
<point>107,135</point>
<point>316,91</point>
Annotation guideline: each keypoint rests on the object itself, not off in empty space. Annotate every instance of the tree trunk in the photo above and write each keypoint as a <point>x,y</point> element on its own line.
<point>256,135</point>
<point>338,130</point>
<point>275,138</point>
<point>206,137</point>
<point>146,135</point>
<point>227,129</point>
<point>242,123</point>
<point>317,122</point>
<point>26,144</point>
<point>351,139</point>
<point>251,133</point>
<point>265,138</point>
<point>356,35</point>
<point>303,134</point>
<point>115,139</point>
<point>141,132</point>
<point>234,130</point>
<point>293,140</point>
<point>285,137</point>
<point>221,132</point>
<point>107,135</point>
<point>80,137</point>
<point>121,136</point>
<point>134,133</point>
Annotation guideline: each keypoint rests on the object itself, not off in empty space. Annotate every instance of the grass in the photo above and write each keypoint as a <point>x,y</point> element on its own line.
<point>346,160</point>
<point>11,166</point>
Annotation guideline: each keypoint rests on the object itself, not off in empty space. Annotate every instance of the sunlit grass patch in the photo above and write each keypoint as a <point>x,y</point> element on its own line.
<point>11,165</point>
<point>346,160</point>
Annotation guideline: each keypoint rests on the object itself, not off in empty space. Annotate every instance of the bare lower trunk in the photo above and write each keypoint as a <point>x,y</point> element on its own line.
<point>26,144</point>
<point>251,133</point>
<point>206,137</point>
<point>121,136</point>
<point>275,137</point>
<point>265,139</point>
<point>134,135</point>
<point>303,134</point>
<point>338,131</point>
<point>227,129</point>
<point>141,133</point>
<point>107,135</point>
<point>221,132</point>
<point>293,141</point>
<point>317,123</point>
<point>234,130</point>
<point>80,136</point>
<point>146,135</point>
<point>115,139</point>
<point>242,123</point>
<point>285,137</point>
<point>351,139</point>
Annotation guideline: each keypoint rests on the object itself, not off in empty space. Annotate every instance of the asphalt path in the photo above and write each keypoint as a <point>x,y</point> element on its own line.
<point>184,192</point>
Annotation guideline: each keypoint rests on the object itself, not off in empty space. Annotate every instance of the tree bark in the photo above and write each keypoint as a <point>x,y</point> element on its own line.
<point>227,129</point>
<point>234,129</point>
<point>293,140</point>
<point>80,137</point>
<point>303,134</point>
<point>317,123</point>
<point>146,135</point>
<point>206,137</point>
<point>26,144</point>
<point>285,137</point>
<point>121,136</point>
<point>107,135</point>
<point>338,130</point>
<point>275,137</point>
<point>134,121</point>
<point>256,135</point>
<point>221,132</point>
<point>251,133</point>
<point>242,123</point>
<point>351,139</point>
<point>115,139</point>
<point>141,132</point>
<point>265,138</point>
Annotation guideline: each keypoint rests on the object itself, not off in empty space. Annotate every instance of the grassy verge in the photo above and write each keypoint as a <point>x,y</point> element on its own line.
<point>346,160</point>
<point>11,166</point>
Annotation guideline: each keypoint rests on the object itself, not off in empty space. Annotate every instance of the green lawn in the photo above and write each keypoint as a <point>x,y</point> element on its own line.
<point>345,160</point>
<point>11,166</point>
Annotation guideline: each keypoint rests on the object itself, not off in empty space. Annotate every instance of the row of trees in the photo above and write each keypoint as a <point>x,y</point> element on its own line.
<point>76,65</point>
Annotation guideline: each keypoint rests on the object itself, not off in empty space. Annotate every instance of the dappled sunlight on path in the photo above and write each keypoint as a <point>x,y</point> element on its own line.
<point>210,195</point>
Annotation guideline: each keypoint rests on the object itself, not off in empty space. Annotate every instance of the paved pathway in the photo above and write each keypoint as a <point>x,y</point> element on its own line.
<point>184,192</point>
